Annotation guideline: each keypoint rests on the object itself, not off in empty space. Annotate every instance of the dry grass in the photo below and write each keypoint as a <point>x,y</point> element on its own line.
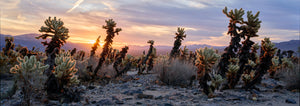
<point>291,77</point>
<point>176,73</point>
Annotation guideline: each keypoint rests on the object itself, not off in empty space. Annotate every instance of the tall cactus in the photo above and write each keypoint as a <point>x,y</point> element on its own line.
<point>58,33</point>
<point>205,59</point>
<point>265,61</point>
<point>95,46</point>
<point>249,30</point>
<point>30,75</point>
<point>236,17</point>
<point>180,35</point>
<point>143,62</point>
<point>110,31</point>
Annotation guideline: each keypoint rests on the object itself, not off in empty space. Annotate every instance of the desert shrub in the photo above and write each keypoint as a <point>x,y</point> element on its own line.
<point>290,77</point>
<point>177,73</point>
<point>30,76</point>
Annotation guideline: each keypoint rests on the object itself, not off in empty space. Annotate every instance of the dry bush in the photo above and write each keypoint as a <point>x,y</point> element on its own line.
<point>107,72</point>
<point>86,67</point>
<point>177,73</point>
<point>291,77</point>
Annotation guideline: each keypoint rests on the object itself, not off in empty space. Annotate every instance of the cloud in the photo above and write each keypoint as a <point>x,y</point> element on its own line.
<point>142,20</point>
<point>75,5</point>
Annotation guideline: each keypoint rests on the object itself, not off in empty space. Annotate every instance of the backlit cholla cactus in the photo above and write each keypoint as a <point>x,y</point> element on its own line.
<point>65,69</point>
<point>233,68</point>
<point>9,45</point>
<point>110,31</point>
<point>184,53</point>
<point>253,55</point>
<point>95,46</point>
<point>30,76</point>
<point>236,17</point>
<point>269,50</point>
<point>287,63</point>
<point>150,61</point>
<point>119,58</point>
<point>274,67</point>
<point>144,60</point>
<point>58,33</point>
<point>249,72</point>
<point>205,59</point>
<point>180,35</point>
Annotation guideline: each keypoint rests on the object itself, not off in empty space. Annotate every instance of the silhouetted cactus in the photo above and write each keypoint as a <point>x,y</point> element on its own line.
<point>73,51</point>
<point>236,17</point>
<point>143,62</point>
<point>205,59</point>
<point>95,46</point>
<point>119,58</point>
<point>30,76</point>
<point>110,31</point>
<point>9,45</point>
<point>180,35</point>
<point>58,33</point>
<point>274,66</point>
<point>183,53</point>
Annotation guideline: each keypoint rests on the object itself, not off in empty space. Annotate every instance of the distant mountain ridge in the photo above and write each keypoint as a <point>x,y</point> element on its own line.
<point>28,40</point>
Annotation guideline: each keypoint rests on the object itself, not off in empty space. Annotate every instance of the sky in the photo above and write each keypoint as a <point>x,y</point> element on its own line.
<point>143,20</point>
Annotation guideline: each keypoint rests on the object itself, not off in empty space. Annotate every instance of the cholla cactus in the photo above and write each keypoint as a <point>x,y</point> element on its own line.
<point>65,69</point>
<point>253,54</point>
<point>110,31</point>
<point>144,60</point>
<point>274,67</point>
<point>184,53</point>
<point>265,61</point>
<point>150,61</point>
<point>204,61</point>
<point>59,34</point>
<point>287,63</point>
<point>247,78</point>
<point>30,75</point>
<point>9,45</point>
<point>95,46</point>
<point>180,35</point>
<point>119,58</point>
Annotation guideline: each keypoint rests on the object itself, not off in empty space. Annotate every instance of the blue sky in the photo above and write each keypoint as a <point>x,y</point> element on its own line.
<point>143,20</point>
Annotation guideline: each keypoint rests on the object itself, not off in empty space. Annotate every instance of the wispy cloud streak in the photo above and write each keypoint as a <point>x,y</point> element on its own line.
<point>75,5</point>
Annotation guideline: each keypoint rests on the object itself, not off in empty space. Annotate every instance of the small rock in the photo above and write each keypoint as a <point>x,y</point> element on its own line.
<point>127,99</point>
<point>131,92</point>
<point>105,102</point>
<point>167,104</point>
<point>145,96</point>
<point>139,103</point>
<point>158,98</point>
<point>119,102</point>
<point>292,101</point>
<point>93,102</point>
<point>91,87</point>
<point>269,104</point>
